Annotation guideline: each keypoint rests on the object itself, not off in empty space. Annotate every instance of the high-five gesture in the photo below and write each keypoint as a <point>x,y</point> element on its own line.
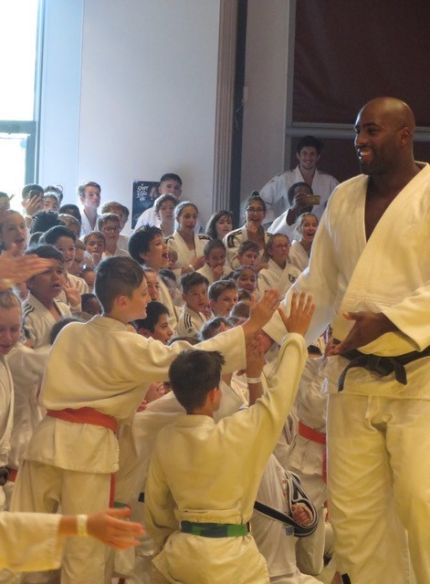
<point>301,311</point>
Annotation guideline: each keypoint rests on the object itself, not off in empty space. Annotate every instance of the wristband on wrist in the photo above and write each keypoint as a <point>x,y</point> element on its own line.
<point>253,379</point>
<point>81,525</point>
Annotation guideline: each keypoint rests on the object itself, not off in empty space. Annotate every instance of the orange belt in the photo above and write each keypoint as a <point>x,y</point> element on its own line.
<point>319,438</point>
<point>95,418</point>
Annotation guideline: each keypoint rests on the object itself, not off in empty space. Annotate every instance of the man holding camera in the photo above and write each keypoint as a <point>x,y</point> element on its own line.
<point>275,192</point>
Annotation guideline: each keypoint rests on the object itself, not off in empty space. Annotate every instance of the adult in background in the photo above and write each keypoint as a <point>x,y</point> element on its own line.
<point>374,288</point>
<point>275,191</point>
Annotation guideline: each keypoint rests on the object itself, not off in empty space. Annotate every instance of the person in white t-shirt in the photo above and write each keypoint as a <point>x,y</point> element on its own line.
<point>275,191</point>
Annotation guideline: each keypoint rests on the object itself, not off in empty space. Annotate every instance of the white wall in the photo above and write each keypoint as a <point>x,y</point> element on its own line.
<point>147,97</point>
<point>61,90</point>
<point>266,92</point>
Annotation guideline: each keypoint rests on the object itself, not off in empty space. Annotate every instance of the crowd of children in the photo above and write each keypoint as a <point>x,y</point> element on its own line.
<point>92,345</point>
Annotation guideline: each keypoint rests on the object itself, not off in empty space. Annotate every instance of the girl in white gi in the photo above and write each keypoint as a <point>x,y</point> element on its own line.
<point>42,309</point>
<point>300,250</point>
<point>164,208</point>
<point>185,241</point>
<point>97,375</point>
<point>199,495</point>
<point>215,266</point>
<point>279,274</point>
<point>219,224</point>
<point>253,229</point>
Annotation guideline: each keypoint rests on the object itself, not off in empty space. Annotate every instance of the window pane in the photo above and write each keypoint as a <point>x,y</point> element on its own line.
<point>18,38</point>
<point>13,156</point>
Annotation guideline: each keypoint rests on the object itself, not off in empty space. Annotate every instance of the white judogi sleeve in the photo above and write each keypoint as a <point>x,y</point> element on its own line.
<point>29,541</point>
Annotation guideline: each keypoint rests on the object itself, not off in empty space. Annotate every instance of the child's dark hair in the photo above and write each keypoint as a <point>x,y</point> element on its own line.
<point>292,190</point>
<point>248,245</point>
<point>310,142</point>
<point>110,205</point>
<point>211,327</point>
<point>211,224</point>
<point>103,219</point>
<point>85,301</point>
<point>240,310</point>
<point>179,208</point>
<point>193,279</point>
<point>193,374</point>
<point>97,234</point>
<point>53,235</point>
<point>154,310</point>
<point>140,241</point>
<point>91,183</point>
<point>239,271</point>
<point>59,325</point>
<point>171,176</point>
<point>25,193</point>
<point>218,287</point>
<point>162,199</point>
<point>46,251</point>
<point>71,209</point>
<point>255,196</point>
<point>116,276</point>
<point>211,245</point>
<point>44,220</point>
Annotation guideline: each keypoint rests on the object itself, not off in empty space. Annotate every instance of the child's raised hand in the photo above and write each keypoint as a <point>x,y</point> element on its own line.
<point>111,528</point>
<point>301,311</point>
<point>72,294</point>
<point>263,311</point>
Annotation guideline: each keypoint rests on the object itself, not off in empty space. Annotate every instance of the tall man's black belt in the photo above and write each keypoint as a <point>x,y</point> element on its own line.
<point>381,365</point>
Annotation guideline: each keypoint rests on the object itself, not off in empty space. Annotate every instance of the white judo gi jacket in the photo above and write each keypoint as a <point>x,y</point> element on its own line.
<point>389,273</point>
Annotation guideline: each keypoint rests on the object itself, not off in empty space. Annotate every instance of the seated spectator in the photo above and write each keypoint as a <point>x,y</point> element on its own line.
<point>90,304</point>
<point>57,190</point>
<point>170,183</point>
<point>89,275</point>
<point>32,201</point>
<point>156,324</point>
<point>44,220</point>
<point>71,223</point>
<point>301,199</point>
<point>164,208</point>
<point>279,274</point>
<point>219,224</point>
<point>51,201</point>
<point>153,283</point>
<point>110,225</point>
<point>252,229</point>
<point>70,209</point>
<point>95,245</point>
<point>275,191</point>
<point>123,214</point>
<point>89,196</point>
<point>215,267</point>
<point>248,254</point>
<point>13,233</point>
<point>213,327</point>
<point>185,241</point>
<point>306,227</point>
<point>195,294</point>
<point>222,297</point>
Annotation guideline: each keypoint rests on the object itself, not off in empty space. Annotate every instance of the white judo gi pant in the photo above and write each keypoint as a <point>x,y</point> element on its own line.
<point>42,488</point>
<point>379,470</point>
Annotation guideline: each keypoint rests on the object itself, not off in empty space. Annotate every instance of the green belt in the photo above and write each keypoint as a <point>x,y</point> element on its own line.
<point>214,529</point>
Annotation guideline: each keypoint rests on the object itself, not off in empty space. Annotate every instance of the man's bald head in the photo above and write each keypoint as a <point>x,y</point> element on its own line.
<point>393,110</point>
<point>384,131</point>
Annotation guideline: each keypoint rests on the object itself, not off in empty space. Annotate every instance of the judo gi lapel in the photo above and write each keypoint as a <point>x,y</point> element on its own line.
<point>388,259</point>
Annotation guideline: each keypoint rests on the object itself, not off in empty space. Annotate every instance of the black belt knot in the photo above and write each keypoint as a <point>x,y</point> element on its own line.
<point>381,365</point>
